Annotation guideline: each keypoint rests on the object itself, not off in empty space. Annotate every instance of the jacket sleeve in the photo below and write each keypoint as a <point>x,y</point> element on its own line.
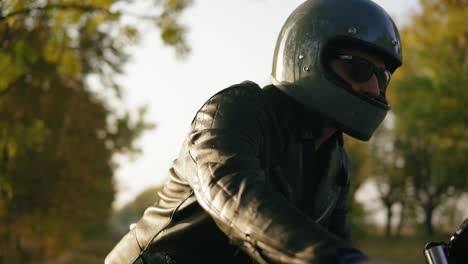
<point>230,184</point>
<point>340,222</point>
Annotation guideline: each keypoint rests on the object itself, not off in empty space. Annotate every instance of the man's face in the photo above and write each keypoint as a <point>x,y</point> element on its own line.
<point>362,71</point>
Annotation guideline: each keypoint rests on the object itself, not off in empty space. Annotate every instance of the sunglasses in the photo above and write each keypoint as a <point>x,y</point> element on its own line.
<point>361,70</point>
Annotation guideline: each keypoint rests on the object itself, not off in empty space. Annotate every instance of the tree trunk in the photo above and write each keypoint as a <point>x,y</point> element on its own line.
<point>388,225</point>
<point>401,219</point>
<point>428,220</point>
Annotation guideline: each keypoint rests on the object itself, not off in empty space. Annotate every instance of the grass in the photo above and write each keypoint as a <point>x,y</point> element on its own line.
<point>398,250</point>
<point>88,252</point>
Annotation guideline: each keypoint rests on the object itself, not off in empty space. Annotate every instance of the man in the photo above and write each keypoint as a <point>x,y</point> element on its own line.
<point>262,175</point>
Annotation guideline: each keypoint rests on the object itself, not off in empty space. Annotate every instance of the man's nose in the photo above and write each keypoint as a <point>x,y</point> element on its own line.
<point>369,88</point>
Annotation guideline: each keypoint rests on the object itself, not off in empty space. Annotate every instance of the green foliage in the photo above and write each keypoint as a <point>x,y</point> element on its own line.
<point>430,98</point>
<point>386,166</point>
<point>420,162</point>
<point>358,153</point>
<point>58,137</point>
<point>171,31</point>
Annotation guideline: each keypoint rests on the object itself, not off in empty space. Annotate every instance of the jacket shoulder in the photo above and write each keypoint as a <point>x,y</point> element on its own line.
<point>230,106</point>
<point>243,91</point>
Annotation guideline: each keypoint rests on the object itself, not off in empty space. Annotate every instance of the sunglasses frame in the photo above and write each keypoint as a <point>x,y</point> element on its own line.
<point>383,75</point>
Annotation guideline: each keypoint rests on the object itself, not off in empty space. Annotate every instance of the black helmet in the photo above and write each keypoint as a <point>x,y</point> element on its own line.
<point>300,60</point>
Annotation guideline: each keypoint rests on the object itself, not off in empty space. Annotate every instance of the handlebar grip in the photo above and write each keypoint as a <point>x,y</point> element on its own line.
<point>436,253</point>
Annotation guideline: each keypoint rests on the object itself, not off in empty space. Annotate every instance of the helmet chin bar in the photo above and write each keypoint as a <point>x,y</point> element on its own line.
<point>347,111</point>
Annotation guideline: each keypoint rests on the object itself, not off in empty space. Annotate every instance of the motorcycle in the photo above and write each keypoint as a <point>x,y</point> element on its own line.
<point>453,252</point>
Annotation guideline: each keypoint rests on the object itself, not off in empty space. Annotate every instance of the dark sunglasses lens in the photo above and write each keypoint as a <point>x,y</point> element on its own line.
<point>360,70</point>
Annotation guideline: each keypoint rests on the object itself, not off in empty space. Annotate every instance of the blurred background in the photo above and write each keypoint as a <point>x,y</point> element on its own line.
<point>97,95</point>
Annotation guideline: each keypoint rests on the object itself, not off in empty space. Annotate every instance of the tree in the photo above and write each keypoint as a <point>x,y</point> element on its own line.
<point>430,95</point>
<point>386,166</point>
<point>359,159</point>
<point>58,136</point>
<point>381,162</point>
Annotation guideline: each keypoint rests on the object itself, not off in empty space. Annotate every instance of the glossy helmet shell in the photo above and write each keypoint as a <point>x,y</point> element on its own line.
<point>299,64</point>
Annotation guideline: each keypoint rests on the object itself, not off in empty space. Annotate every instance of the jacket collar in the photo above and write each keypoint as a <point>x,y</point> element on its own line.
<point>294,119</point>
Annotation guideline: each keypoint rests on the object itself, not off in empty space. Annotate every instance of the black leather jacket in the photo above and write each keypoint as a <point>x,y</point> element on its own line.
<point>247,177</point>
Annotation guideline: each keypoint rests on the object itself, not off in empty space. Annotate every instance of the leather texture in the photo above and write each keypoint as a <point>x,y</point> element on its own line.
<point>237,192</point>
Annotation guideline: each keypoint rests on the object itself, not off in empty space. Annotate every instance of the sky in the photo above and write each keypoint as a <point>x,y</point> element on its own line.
<point>231,41</point>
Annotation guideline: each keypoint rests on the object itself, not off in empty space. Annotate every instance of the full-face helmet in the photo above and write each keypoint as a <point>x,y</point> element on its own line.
<point>303,49</point>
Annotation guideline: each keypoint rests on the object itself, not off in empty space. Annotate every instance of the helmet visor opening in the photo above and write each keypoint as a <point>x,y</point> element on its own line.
<point>356,67</point>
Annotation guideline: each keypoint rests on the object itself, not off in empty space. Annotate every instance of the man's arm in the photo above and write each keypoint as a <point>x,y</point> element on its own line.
<point>231,186</point>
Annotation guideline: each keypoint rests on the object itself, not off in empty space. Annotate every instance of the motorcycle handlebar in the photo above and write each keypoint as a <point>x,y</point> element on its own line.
<point>453,252</point>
